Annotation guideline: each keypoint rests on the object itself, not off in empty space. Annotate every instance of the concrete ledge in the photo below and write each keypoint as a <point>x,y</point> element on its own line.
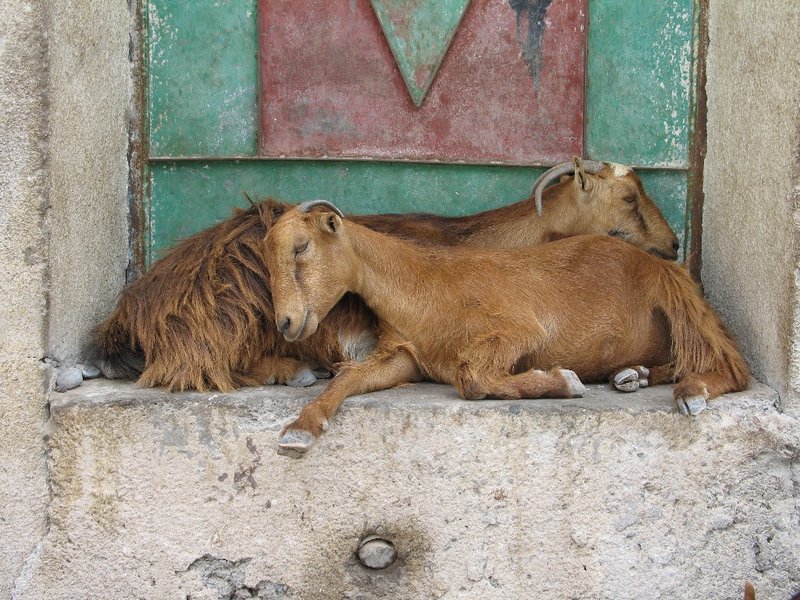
<point>159,495</point>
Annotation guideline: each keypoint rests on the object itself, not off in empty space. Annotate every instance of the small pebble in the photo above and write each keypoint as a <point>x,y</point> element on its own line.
<point>68,378</point>
<point>376,553</point>
<point>89,371</point>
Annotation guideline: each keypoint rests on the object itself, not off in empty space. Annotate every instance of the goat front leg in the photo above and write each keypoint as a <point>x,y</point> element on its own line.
<point>380,371</point>
<point>630,379</point>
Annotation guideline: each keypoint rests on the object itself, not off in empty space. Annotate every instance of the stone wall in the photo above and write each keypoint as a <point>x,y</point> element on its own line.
<point>65,96</point>
<point>90,98</point>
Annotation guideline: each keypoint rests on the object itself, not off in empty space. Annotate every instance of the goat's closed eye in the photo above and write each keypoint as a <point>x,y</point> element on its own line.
<point>630,199</point>
<point>300,248</point>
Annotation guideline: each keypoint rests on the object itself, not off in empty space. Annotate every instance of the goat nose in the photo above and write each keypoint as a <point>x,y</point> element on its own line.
<point>284,324</point>
<point>676,245</point>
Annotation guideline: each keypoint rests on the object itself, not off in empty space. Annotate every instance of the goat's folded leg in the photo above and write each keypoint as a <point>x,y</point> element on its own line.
<point>382,370</point>
<point>284,370</point>
<point>555,383</point>
<point>486,365</point>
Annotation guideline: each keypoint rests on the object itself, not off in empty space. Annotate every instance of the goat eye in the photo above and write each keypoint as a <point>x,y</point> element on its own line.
<point>299,249</point>
<point>630,199</point>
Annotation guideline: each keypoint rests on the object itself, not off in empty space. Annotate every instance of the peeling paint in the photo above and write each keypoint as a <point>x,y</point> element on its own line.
<point>640,63</point>
<point>202,80</point>
<point>531,25</point>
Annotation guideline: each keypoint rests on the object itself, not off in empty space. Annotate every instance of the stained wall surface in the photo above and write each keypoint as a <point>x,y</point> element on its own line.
<point>65,87</point>
<point>609,496</point>
<point>23,285</point>
<point>752,183</point>
<point>90,99</point>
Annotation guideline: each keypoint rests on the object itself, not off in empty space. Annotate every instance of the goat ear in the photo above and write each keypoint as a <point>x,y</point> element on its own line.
<point>329,222</point>
<point>582,181</point>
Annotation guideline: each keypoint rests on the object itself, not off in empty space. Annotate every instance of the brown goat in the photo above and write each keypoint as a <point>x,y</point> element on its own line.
<point>495,323</point>
<point>202,318</point>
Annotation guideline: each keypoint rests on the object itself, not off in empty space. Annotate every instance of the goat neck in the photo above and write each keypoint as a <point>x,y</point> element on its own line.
<point>384,265</point>
<point>500,227</point>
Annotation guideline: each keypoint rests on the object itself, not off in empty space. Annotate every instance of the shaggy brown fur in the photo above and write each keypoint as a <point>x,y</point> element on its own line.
<point>497,323</point>
<point>202,318</point>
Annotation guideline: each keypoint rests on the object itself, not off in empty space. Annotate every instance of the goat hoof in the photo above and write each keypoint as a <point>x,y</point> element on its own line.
<point>295,443</point>
<point>322,373</point>
<point>626,380</point>
<point>303,378</point>
<point>693,405</point>
<point>631,379</point>
<point>575,388</point>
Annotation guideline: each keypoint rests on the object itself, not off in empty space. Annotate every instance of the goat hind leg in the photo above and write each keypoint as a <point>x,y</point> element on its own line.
<point>380,371</point>
<point>693,391</point>
<point>485,371</point>
<point>555,383</point>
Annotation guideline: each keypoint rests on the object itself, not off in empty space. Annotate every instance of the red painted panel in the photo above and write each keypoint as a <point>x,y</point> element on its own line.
<point>330,87</point>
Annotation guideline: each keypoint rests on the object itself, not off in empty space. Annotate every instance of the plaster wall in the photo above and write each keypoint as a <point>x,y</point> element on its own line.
<point>23,285</point>
<point>90,92</point>
<point>64,95</point>
<point>752,172</point>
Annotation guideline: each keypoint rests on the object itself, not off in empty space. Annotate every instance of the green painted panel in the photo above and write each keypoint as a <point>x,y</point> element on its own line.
<point>638,81</point>
<point>203,77</point>
<point>187,196</point>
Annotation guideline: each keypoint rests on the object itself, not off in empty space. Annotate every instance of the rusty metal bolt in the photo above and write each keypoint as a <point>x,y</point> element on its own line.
<point>374,552</point>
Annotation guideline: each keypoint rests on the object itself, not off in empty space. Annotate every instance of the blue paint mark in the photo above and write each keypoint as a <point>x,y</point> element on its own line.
<point>530,29</point>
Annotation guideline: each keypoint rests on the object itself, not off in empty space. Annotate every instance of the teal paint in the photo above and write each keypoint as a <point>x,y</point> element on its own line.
<point>639,81</point>
<point>419,33</point>
<point>668,189</point>
<point>187,196</point>
<point>202,78</point>
<point>203,72</point>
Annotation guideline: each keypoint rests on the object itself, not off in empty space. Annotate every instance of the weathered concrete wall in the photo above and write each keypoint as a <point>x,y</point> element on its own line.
<point>90,92</point>
<point>752,178</point>
<point>613,496</point>
<point>64,97</point>
<point>23,285</point>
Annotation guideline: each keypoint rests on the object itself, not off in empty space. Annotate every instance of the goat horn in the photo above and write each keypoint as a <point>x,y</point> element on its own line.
<point>306,206</point>
<point>591,166</point>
